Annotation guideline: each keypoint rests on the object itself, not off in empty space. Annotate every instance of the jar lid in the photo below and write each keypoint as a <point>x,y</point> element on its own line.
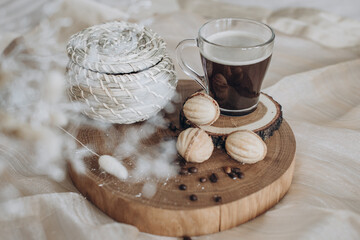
<point>116,48</point>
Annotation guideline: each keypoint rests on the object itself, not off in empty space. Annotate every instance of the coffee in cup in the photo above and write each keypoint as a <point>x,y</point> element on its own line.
<point>235,55</point>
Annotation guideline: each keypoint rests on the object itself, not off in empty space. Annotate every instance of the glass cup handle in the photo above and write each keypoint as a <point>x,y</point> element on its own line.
<point>184,66</point>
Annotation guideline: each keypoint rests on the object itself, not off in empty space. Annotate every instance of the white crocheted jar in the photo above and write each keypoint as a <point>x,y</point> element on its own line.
<point>120,71</point>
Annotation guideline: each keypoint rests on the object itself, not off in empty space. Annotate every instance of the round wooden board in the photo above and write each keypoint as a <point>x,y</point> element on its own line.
<point>170,212</point>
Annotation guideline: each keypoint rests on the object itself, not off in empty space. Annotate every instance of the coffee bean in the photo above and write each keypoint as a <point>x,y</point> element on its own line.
<point>217,198</point>
<point>186,238</point>
<point>193,170</point>
<point>183,171</point>
<point>182,187</point>
<point>182,163</point>
<point>213,178</point>
<point>202,179</point>
<point>227,169</point>
<point>179,161</point>
<point>232,175</point>
<point>235,170</point>
<point>193,197</point>
<point>172,127</point>
<point>240,175</point>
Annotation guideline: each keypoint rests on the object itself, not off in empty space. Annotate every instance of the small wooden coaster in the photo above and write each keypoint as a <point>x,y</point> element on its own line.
<point>266,119</point>
<point>170,212</point>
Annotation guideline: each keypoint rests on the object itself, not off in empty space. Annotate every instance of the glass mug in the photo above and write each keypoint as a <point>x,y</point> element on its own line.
<point>235,55</point>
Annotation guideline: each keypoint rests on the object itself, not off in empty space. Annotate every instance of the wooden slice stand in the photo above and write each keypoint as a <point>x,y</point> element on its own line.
<point>170,212</point>
<point>266,119</point>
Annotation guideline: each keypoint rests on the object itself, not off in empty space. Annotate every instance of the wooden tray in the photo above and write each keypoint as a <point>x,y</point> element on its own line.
<point>170,212</point>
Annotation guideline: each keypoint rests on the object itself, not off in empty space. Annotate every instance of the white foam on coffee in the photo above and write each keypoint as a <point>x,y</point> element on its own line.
<point>235,55</point>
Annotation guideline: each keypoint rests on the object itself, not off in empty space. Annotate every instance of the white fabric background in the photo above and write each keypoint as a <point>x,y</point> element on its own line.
<point>314,74</point>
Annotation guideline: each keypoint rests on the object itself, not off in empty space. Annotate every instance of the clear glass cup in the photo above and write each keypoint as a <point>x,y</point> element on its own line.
<point>235,55</point>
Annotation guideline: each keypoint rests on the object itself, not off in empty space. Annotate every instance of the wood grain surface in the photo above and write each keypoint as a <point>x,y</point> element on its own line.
<point>170,212</point>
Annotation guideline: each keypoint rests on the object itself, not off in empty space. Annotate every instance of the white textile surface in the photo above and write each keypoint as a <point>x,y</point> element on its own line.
<point>314,75</point>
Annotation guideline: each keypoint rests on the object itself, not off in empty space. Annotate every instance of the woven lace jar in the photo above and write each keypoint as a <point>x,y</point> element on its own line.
<point>120,71</point>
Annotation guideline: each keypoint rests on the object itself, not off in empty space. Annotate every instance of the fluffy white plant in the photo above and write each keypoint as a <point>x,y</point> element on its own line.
<point>34,110</point>
<point>33,104</point>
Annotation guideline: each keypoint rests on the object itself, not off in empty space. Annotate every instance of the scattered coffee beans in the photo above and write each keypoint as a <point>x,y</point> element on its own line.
<point>213,178</point>
<point>179,161</point>
<point>172,127</point>
<point>193,170</point>
<point>232,175</point>
<point>182,162</point>
<point>217,198</point>
<point>227,170</point>
<point>240,175</point>
<point>202,179</point>
<point>182,187</point>
<point>183,171</point>
<point>235,170</point>
<point>193,197</point>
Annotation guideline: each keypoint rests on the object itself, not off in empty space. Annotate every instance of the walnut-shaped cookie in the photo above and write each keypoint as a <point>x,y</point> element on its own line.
<point>194,145</point>
<point>201,109</point>
<point>245,146</point>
